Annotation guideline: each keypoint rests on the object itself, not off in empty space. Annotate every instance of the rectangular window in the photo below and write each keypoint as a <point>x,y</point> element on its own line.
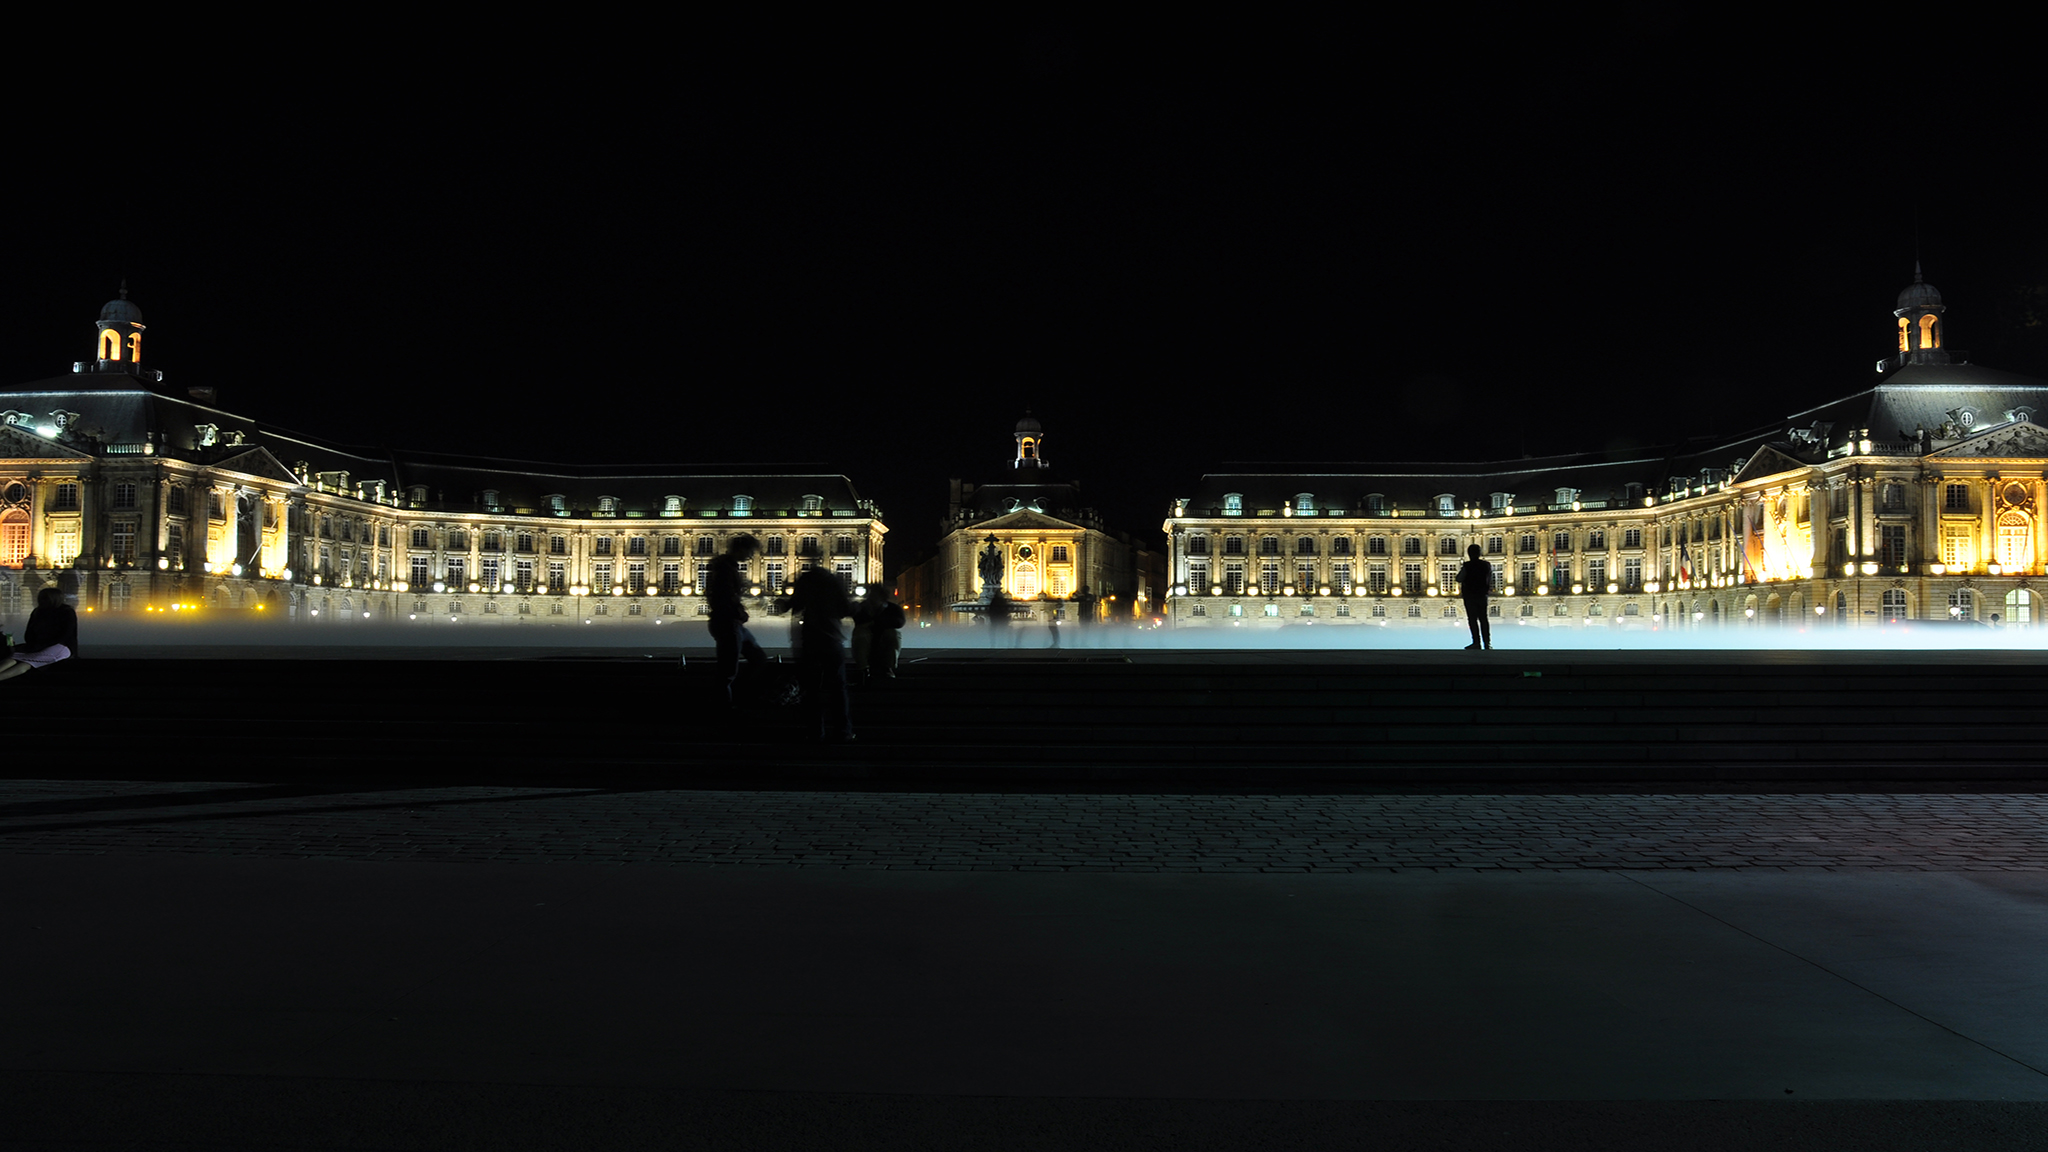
<point>601,579</point>
<point>1891,547</point>
<point>1632,538</point>
<point>1376,546</point>
<point>458,570</point>
<point>124,495</point>
<point>458,540</point>
<point>1499,577</point>
<point>558,576</point>
<point>1376,579</point>
<point>1496,545</point>
<point>1304,579</point>
<point>671,545</point>
<point>1596,575</point>
<point>1526,583</point>
<point>1632,574</point>
<point>1198,577</point>
<point>1527,542</point>
<point>671,578</point>
<point>1341,546</point>
<point>558,545</point>
<point>1233,545</point>
<point>600,545</point>
<point>1446,577</point>
<point>66,542</point>
<point>1958,545</point>
<point>1269,545</point>
<point>1561,542</point>
<point>776,570</point>
<point>1411,579</point>
<point>636,577</point>
<point>1233,577</point>
<point>706,546</point>
<point>176,504</point>
<point>419,573</point>
<point>525,541</point>
<point>524,575</point>
<point>65,499</point>
<point>421,538</point>
<point>1955,498</point>
<point>636,546</point>
<point>1340,579</point>
<point>1411,545</point>
<point>844,570</point>
<point>1059,553</point>
<point>124,540</point>
<point>1596,540</point>
<point>326,561</point>
<point>492,567</point>
<point>701,569</point>
<point>1269,577</point>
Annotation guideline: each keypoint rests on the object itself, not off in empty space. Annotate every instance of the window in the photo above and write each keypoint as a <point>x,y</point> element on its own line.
<point>1411,545</point>
<point>814,504</point>
<point>1198,545</point>
<point>743,505</point>
<point>776,569</point>
<point>672,578</point>
<point>1496,545</point>
<point>607,506</point>
<point>601,578</point>
<point>1304,545</point>
<point>1892,497</point>
<point>2019,607</point>
<point>1632,538</point>
<point>776,546</point>
<point>1446,577</point>
<point>1376,504</point>
<point>1562,542</point>
<point>844,570</point>
<point>1891,545</point>
<point>1304,502</point>
<point>1233,546</point>
<point>1894,605</point>
<point>525,541</point>
<point>1341,546</point>
<point>422,538</point>
<point>176,501</point>
<point>558,545</point>
<point>1962,604</point>
<point>1567,496</point>
<point>1447,505</point>
<point>1499,578</point>
<point>1955,498</point>
<point>1526,542</point>
<point>1448,546</point>
<point>1233,578</point>
<point>1304,578</point>
<point>672,506</point>
<point>1596,540</point>
<point>1376,546</point>
<point>1198,577</point>
<point>843,546</point>
<point>636,546</point>
<point>1526,583</point>
<point>1959,545</point>
<point>2015,541</point>
<point>65,499</point>
<point>1059,551</point>
<point>419,572</point>
<point>1632,573</point>
<point>558,576</point>
<point>1596,575</point>
<point>1233,504</point>
<point>523,577</point>
<point>124,540</point>
<point>671,545</point>
<point>1340,579</point>
<point>602,545</point>
<point>458,541</point>
<point>1269,545</point>
<point>458,570</point>
<point>1376,579</point>
<point>706,546</point>
<point>636,577</point>
<point>1411,579</point>
<point>1269,577</point>
<point>807,547</point>
<point>124,495</point>
<point>14,538</point>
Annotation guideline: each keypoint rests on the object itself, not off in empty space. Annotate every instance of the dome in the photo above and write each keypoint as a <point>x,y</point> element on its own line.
<point>1029,425</point>
<point>120,311</point>
<point>1918,294</point>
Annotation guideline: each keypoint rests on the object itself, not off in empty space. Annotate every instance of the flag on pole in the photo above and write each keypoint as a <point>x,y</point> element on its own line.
<point>1684,563</point>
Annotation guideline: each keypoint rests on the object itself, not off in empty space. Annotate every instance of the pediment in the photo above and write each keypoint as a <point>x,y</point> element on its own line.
<point>1026,522</point>
<point>16,444</point>
<point>257,462</point>
<point>1768,461</point>
<point>2024,439</point>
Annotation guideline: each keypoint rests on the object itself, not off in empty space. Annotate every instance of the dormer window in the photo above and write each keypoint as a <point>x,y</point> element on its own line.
<point>672,506</point>
<point>1501,501</point>
<point>557,503</point>
<point>416,495</point>
<point>743,505</point>
<point>814,504</point>
<point>490,499</point>
<point>1233,504</point>
<point>1565,496</point>
<point>607,505</point>
<point>1447,505</point>
<point>1304,504</point>
<point>1376,504</point>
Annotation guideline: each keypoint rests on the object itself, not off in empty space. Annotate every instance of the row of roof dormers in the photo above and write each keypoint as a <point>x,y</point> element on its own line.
<point>111,407</point>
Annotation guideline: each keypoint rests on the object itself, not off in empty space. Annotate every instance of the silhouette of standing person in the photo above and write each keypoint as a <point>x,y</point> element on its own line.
<point>722,585</point>
<point>1475,580</point>
<point>51,635</point>
<point>818,597</point>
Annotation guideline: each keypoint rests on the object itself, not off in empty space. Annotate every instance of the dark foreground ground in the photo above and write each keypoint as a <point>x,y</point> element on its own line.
<point>1180,903</point>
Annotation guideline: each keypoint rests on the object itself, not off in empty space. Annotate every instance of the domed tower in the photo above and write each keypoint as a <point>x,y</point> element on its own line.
<point>120,341</point>
<point>1030,443</point>
<point>1919,314</point>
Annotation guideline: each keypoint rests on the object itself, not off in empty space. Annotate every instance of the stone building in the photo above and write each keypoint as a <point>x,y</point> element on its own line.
<point>1918,498</point>
<point>1056,555</point>
<point>138,497</point>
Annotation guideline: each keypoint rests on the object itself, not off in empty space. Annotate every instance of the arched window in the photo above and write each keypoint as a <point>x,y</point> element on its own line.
<point>1930,332</point>
<point>2015,541</point>
<point>1304,502</point>
<point>1233,504</point>
<point>607,505</point>
<point>1894,604</point>
<point>1962,604</point>
<point>2019,606</point>
<point>1905,328</point>
<point>13,538</point>
<point>110,344</point>
<point>814,503</point>
<point>1025,577</point>
<point>672,506</point>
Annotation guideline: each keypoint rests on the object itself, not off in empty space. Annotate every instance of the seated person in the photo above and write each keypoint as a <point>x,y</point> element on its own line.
<point>52,635</point>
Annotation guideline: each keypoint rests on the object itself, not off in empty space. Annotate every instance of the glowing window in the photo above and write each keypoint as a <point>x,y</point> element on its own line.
<point>1447,505</point>
<point>2015,541</point>
<point>743,505</point>
<point>13,538</point>
<point>1304,502</point>
<point>1894,605</point>
<point>672,506</point>
<point>1905,326</point>
<point>814,504</point>
<point>1233,504</point>
<point>1930,332</point>
<point>1025,578</point>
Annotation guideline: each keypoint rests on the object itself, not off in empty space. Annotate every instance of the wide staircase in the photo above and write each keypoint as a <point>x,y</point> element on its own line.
<point>967,720</point>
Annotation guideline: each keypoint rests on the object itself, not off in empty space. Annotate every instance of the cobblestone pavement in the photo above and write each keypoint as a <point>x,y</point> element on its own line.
<point>1035,832</point>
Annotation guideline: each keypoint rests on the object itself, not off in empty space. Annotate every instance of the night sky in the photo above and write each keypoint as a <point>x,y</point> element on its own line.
<point>875,255</point>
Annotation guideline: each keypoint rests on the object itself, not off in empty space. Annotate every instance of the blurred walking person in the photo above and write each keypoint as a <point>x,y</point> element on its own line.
<point>723,584</point>
<point>821,601</point>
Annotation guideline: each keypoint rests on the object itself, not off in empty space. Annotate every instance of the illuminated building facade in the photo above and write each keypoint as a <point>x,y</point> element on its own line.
<point>1921,498</point>
<point>135,497</point>
<point>1051,546</point>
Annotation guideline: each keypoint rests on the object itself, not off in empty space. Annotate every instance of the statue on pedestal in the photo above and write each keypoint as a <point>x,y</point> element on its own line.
<point>990,565</point>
